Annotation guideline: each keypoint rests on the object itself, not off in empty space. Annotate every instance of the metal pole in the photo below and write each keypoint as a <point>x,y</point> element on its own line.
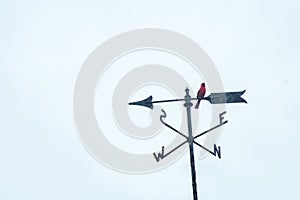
<point>188,106</point>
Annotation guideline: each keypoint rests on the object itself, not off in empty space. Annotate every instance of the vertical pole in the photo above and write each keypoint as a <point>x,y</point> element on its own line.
<point>188,106</point>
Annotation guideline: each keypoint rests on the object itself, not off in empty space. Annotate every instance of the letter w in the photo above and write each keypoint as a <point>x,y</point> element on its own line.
<point>160,155</point>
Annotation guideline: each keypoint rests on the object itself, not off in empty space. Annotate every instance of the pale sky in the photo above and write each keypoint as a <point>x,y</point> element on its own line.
<point>254,45</point>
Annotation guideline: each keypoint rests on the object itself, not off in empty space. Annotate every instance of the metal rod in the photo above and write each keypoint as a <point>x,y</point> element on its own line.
<point>206,149</point>
<point>221,124</point>
<point>188,106</point>
<point>163,101</point>
<point>175,149</point>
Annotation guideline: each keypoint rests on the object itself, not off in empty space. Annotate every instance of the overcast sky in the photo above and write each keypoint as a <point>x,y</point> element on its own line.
<point>253,44</point>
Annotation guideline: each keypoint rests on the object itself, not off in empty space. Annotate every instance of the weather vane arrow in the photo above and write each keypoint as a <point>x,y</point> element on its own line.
<point>213,98</point>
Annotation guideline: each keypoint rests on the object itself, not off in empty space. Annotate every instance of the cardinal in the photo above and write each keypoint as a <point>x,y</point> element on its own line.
<point>200,94</point>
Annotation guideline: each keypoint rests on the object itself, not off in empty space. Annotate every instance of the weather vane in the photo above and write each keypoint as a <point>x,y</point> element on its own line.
<point>213,98</point>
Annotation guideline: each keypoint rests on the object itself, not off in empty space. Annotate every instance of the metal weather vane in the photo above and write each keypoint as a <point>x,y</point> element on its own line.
<point>213,98</point>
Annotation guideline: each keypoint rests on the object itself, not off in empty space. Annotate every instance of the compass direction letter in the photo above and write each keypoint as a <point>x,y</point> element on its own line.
<point>159,156</point>
<point>221,116</point>
<point>217,150</point>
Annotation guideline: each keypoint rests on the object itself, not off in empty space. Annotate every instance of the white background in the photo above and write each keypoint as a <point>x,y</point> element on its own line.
<point>254,45</point>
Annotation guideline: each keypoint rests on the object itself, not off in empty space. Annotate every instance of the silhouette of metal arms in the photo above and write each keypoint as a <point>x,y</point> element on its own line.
<point>221,124</point>
<point>167,125</point>
<point>217,149</point>
<point>161,155</point>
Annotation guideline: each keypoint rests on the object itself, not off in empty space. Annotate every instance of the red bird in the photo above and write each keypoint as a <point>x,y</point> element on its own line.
<point>200,94</point>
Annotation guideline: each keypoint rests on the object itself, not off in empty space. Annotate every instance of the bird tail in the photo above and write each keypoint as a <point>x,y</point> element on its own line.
<point>197,104</point>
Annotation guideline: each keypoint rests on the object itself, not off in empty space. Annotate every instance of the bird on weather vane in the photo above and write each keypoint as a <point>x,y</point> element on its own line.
<point>200,94</point>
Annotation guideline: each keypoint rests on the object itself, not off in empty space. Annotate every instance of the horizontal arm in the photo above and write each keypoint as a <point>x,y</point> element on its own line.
<point>221,124</point>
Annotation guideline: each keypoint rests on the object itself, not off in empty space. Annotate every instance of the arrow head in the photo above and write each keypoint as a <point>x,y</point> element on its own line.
<point>146,102</point>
